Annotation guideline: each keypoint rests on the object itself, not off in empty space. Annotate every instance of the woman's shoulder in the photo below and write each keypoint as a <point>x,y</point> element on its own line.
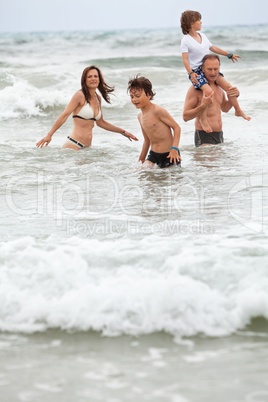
<point>78,98</point>
<point>79,95</point>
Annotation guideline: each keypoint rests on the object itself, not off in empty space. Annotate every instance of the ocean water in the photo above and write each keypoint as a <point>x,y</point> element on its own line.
<point>119,283</point>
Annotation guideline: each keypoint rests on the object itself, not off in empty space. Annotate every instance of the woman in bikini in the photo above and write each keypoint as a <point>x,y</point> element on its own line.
<point>86,108</point>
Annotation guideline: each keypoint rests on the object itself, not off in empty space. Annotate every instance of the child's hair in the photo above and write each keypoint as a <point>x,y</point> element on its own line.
<point>188,18</point>
<point>141,83</point>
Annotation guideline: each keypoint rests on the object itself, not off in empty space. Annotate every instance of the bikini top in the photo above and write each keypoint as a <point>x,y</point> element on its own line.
<point>87,113</point>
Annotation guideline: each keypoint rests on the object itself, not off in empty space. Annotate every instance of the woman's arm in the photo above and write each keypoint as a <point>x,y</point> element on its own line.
<point>72,105</point>
<point>110,127</point>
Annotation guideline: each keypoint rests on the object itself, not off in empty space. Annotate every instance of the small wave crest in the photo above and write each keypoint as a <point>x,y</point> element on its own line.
<point>102,286</point>
<point>20,99</point>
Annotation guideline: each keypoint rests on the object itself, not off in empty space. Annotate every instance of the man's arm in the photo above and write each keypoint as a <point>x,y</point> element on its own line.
<point>192,105</point>
<point>226,104</point>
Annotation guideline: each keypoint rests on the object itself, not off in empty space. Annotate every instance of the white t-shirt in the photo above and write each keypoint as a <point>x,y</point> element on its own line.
<point>196,51</point>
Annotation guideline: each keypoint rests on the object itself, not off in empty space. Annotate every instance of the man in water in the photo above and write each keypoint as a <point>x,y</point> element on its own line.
<point>216,102</point>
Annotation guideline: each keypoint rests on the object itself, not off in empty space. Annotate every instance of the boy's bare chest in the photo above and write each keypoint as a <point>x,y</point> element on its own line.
<point>149,121</point>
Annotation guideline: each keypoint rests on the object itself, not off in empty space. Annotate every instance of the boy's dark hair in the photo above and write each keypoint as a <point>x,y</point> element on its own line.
<point>141,83</point>
<point>188,18</point>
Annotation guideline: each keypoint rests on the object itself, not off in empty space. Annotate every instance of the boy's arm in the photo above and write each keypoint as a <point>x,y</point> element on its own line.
<point>145,145</point>
<point>185,60</point>
<point>167,119</point>
<point>174,151</point>
<point>218,50</point>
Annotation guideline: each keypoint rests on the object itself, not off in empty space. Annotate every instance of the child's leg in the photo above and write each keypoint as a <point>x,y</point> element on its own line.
<point>203,118</point>
<point>221,81</point>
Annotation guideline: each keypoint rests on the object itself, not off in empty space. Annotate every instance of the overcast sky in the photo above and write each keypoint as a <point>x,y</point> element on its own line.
<point>69,15</point>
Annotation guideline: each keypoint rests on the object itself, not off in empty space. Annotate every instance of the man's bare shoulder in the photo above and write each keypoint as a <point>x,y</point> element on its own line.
<point>192,92</point>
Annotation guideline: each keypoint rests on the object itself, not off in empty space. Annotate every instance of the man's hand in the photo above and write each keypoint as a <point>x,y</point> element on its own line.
<point>232,91</point>
<point>207,100</point>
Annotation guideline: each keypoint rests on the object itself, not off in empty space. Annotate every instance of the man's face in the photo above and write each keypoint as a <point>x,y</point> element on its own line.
<point>211,69</point>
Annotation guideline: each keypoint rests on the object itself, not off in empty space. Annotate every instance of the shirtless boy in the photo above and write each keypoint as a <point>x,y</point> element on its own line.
<point>160,131</point>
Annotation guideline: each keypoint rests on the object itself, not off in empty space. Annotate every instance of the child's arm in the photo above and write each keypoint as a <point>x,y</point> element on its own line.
<point>145,147</point>
<point>185,60</point>
<point>218,50</point>
<point>167,119</point>
<point>174,151</point>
